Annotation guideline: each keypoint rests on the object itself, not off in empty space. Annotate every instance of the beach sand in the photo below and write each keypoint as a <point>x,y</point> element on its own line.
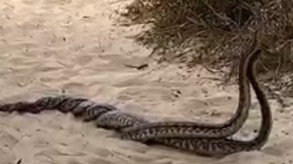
<point>52,46</point>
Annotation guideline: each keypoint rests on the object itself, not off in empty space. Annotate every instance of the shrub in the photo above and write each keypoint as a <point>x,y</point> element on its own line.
<point>215,32</point>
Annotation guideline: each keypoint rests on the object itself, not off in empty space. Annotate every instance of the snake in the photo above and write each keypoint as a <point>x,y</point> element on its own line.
<point>110,117</point>
<point>188,129</point>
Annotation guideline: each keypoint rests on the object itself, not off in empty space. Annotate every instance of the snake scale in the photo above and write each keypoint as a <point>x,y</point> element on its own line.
<point>110,117</point>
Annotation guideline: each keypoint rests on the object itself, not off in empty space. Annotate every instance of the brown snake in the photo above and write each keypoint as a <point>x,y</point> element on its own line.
<point>110,117</point>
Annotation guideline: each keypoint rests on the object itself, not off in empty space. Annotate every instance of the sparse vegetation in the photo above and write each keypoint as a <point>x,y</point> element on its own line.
<point>215,32</point>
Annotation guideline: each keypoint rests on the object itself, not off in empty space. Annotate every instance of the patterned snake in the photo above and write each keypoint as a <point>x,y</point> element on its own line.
<point>110,117</point>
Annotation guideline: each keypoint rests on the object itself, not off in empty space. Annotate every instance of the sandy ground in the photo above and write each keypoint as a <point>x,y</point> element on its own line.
<point>53,46</point>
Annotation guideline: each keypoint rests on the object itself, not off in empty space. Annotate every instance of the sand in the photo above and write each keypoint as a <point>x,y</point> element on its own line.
<point>75,47</point>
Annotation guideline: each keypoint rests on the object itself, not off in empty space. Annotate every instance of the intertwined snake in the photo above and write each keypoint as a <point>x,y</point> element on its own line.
<point>110,117</point>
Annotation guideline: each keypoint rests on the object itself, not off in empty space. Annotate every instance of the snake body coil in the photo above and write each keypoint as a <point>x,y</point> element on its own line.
<point>110,117</point>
